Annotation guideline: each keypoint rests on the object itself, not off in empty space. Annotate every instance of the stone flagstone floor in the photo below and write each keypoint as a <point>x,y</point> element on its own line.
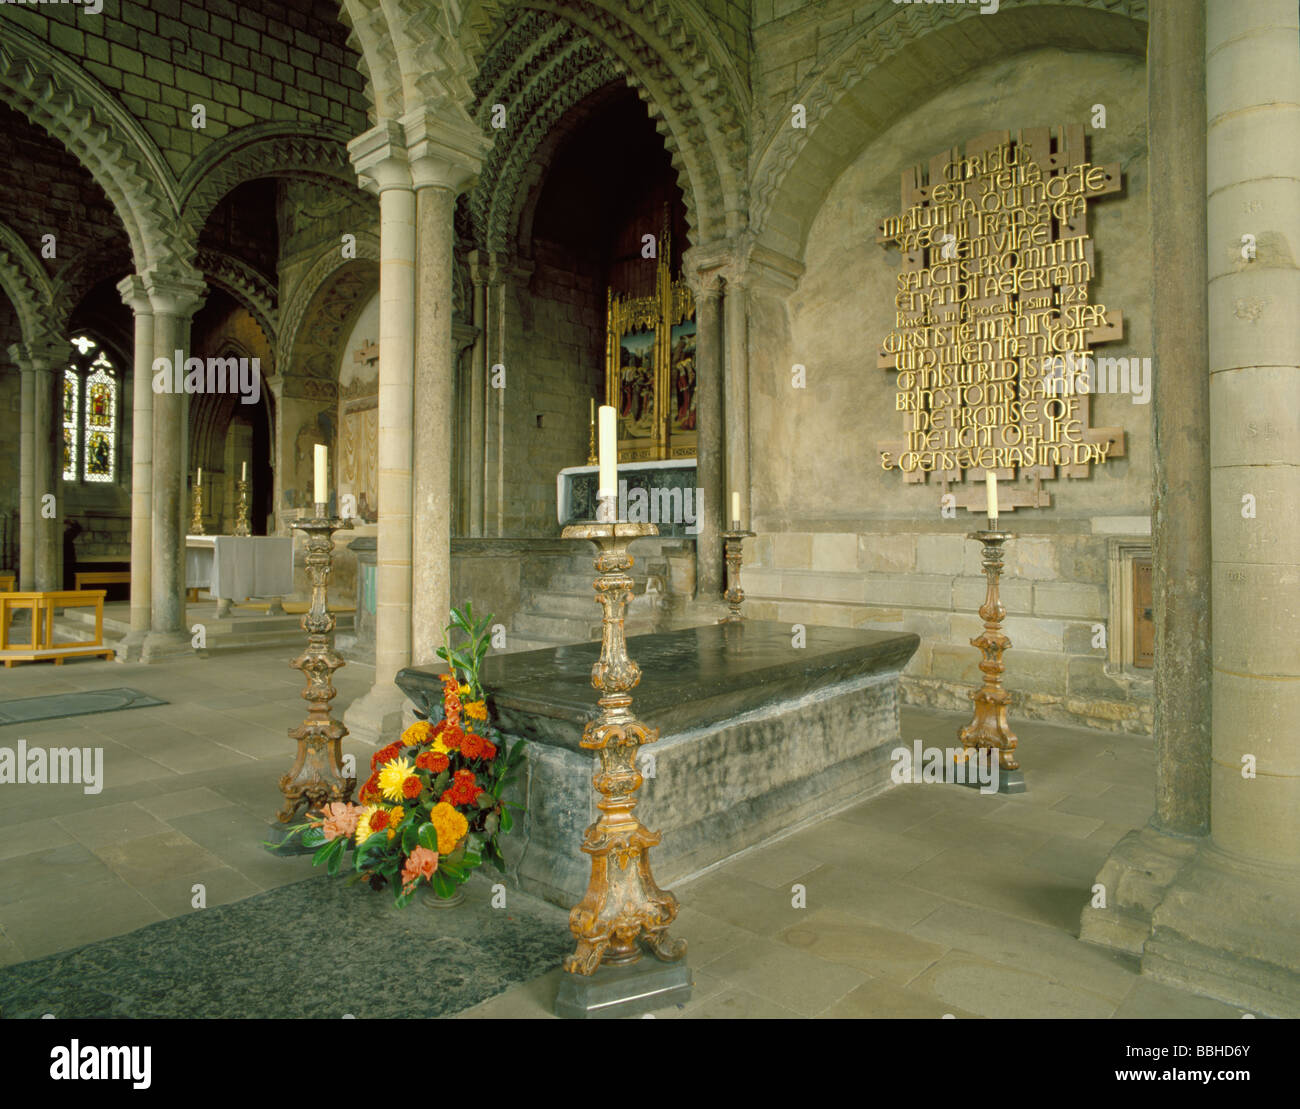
<point>924,901</point>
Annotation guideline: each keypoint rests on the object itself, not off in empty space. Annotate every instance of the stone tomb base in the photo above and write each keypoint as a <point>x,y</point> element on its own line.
<point>756,736</point>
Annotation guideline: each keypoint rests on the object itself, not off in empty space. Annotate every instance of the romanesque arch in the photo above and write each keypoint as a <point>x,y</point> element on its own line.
<point>74,109</point>
<point>247,287</point>
<point>29,290</point>
<point>874,78</point>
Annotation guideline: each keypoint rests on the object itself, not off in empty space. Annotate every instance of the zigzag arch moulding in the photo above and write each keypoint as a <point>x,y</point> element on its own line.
<point>297,300</point>
<point>568,68</point>
<point>791,176</point>
<point>250,289</point>
<point>28,288</point>
<point>75,110</point>
<point>693,94</point>
<point>312,151</point>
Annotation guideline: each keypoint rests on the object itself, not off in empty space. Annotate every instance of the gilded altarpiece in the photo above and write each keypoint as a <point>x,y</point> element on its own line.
<point>994,328</point>
<point>650,367</point>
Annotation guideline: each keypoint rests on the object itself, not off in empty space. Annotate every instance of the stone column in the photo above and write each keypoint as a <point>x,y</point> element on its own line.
<point>736,394</point>
<point>136,298</point>
<point>1220,912</point>
<point>710,456</point>
<point>175,297</point>
<point>381,162</point>
<point>47,470</point>
<point>477,401</point>
<point>1180,418</point>
<point>28,506</point>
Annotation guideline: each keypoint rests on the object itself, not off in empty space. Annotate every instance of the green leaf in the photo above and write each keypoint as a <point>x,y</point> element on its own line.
<point>491,823</point>
<point>442,885</point>
<point>486,801</point>
<point>507,821</point>
<point>428,837</point>
<point>441,782</point>
<point>410,838</point>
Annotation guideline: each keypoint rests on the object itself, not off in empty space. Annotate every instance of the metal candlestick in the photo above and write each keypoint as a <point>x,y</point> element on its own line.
<point>989,727</point>
<point>241,511</point>
<point>592,460</point>
<point>317,774</point>
<point>622,906</point>
<point>733,545</point>
<point>196,511</point>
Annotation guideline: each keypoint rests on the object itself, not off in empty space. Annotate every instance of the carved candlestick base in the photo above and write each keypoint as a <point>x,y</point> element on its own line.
<point>623,907</point>
<point>733,546</point>
<point>592,459</point>
<point>989,727</point>
<point>196,511</point>
<point>317,773</point>
<point>241,510</point>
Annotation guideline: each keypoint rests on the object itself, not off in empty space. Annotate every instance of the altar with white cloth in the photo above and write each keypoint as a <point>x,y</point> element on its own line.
<point>237,567</point>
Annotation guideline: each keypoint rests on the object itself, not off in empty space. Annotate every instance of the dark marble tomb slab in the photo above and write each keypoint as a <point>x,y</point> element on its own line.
<point>756,735</point>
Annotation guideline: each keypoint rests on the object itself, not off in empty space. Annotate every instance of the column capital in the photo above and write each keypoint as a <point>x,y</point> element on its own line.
<point>135,295</point>
<point>445,151</point>
<point>380,159</point>
<point>174,291</point>
<point>741,261</point>
<point>41,354</point>
<point>501,267</point>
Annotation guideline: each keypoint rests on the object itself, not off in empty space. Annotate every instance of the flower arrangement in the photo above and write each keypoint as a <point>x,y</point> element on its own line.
<point>431,810</point>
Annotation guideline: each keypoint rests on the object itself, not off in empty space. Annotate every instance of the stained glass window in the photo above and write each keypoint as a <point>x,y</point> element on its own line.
<point>71,425</point>
<point>101,410</point>
<point>89,415</point>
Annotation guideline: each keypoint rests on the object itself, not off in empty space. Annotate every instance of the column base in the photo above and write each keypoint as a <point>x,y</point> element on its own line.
<point>1203,920</point>
<point>130,646</point>
<point>623,991</point>
<point>376,718</point>
<point>163,646</point>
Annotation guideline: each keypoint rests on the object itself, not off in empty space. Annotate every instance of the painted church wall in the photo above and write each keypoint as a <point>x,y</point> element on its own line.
<point>842,541</point>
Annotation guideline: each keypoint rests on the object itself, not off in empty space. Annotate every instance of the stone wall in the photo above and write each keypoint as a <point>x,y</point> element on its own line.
<point>246,63</point>
<point>843,542</point>
<point>555,356</point>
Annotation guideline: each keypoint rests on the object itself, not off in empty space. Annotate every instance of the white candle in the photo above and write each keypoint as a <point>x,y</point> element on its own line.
<point>199,483</point>
<point>735,509</point>
<point>991,488</point>
<point>322,467</point>
<point>608,486</point>
<point>243,471</point>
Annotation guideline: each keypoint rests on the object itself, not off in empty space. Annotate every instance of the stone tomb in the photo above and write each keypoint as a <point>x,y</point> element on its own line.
<point>756,736</point>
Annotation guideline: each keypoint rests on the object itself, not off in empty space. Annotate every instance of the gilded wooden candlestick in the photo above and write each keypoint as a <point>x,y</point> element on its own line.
<point>733,544</point>
<point>623,908</point>
<point>989,727</point>
<point>241,510</point>
<point>592,459</point>
<point>317,773</point>
<point>196,511</point>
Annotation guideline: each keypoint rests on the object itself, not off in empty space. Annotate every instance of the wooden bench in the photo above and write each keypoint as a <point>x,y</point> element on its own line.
<point>41,643</point>
<point>84,578</point>
<point>6,581</point>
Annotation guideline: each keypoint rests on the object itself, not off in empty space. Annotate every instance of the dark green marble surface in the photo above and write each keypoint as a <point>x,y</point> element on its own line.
<point>319,948</point>
<point>689,677</point>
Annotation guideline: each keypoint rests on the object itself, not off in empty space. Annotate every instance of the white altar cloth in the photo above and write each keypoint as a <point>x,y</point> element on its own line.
<point>236,567</point>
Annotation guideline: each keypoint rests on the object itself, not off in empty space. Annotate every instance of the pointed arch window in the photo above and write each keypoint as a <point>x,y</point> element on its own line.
<point>90,398</point>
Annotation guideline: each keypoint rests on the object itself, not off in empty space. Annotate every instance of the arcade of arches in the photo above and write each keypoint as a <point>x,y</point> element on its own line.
<point>408,224</point>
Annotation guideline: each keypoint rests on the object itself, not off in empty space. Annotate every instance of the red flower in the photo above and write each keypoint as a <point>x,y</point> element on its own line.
<point>386,754</point>
<point>452,737</point>
<point>489,750</point>
<point>412,786</point>
<point>370,791</point>
<point>432,761</point>
<point>379,820</point>
<point>464,790</point>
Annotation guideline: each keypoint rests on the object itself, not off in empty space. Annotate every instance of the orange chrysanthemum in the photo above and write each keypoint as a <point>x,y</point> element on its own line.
<point>464,790</point>
<point>432,761</point>
<point>411,787</point>
<point>379,820</point>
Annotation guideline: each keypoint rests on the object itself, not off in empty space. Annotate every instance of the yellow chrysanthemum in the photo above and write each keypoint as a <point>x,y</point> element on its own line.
<point>391,776</point>
<point>463,691</point>
<point>363,824</point>
<point>476,710</point>
<point>438,746</point>
<point>450,826</point>
<point>416,733</point>
<point>397,814</point>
